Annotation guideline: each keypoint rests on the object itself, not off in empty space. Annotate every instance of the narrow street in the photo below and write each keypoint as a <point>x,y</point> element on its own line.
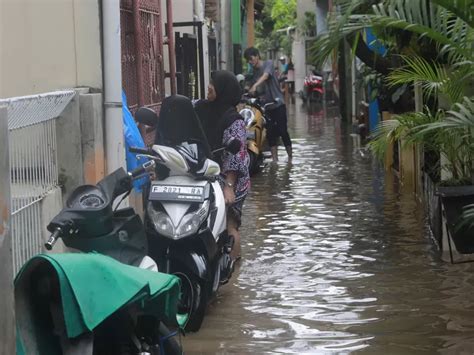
<point>336,260</point>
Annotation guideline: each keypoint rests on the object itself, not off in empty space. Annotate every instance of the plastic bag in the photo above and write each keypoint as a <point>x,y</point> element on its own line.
<point>133,138</point>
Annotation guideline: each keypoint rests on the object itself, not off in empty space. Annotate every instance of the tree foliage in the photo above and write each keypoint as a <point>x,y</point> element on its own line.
<point>282,12</point>
<point>445,78</point>
<point>277,15</point>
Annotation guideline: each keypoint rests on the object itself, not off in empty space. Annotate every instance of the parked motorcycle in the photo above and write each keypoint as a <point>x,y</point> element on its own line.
<point>107,299</point>
<point>186,220</point>
<point>312,88</point>
<point>254,115</point>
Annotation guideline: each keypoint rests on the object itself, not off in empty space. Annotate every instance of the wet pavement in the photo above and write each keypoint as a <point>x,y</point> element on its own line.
<point>336,259</point>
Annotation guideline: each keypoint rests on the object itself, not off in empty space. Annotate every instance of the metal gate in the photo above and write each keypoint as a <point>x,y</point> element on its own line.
<point>190,61</point>
<point>187,65</point>
<point>143,72</point>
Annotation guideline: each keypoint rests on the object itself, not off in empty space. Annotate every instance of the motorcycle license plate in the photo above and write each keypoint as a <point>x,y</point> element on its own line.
<point>177,193</point>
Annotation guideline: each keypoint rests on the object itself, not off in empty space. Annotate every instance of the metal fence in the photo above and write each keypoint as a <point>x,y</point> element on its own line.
<point>33,166</point>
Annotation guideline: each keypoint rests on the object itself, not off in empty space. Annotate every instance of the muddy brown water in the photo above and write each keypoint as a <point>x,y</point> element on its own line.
<point>335,260</point>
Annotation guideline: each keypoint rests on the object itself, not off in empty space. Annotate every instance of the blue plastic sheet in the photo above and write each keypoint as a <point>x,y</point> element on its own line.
<point>133,138</point>
<point>377,47</point>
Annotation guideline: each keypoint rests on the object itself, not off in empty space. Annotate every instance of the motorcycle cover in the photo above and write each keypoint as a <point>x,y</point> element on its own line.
<point>92,287</point>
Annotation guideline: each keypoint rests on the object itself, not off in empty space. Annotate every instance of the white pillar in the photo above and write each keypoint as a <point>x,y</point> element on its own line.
<point>225,35</point>
<point>299,52</point>
<point>205,42</point>
<point>298,47</point>
<point>7,305</point>
<point>114,140</point>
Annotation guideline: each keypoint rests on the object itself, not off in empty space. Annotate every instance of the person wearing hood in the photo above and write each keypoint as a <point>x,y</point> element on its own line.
<point>221,122</point>
<point>178,123</point>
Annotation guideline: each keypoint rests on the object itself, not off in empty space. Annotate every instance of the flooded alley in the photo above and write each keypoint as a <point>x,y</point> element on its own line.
<point>336,260</point>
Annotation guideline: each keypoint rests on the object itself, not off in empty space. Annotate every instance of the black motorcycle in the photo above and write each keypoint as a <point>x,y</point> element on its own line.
<point>62,283</point>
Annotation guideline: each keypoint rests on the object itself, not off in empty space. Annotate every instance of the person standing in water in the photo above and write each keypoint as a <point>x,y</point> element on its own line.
<point>263,73</point>
<point>221,122</point>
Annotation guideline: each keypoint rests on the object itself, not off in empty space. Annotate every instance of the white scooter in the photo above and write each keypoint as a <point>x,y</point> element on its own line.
<point>185,218</point>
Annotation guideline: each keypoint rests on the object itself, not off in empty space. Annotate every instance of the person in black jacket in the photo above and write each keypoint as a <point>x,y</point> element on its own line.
<point>178,123</point>
<point>221,122</point>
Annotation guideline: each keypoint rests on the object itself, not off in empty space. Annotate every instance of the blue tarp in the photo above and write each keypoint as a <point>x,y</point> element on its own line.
<point>378,48</point>
<point>133,138</point>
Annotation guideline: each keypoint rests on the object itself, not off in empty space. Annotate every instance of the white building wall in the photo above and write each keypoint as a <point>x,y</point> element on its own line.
<point>49,45</point>
<point>299,43</point>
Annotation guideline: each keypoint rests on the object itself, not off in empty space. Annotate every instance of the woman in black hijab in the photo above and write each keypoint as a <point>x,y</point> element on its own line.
<point>221,121</point>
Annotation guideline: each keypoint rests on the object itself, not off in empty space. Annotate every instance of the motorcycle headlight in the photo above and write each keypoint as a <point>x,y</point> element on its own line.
<point>162,223</point>
<point>191,222</point>
<point>248,116</point>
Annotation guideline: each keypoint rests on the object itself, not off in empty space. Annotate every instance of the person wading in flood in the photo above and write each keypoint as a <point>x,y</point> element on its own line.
<point>263,73</point>
<point>221,122</point>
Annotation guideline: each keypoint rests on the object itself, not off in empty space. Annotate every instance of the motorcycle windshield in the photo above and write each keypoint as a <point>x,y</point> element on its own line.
<point>178,123</point>
<point>92,287</point>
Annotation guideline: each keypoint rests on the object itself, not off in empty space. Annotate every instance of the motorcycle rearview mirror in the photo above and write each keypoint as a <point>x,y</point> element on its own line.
<point>146,116</point>
<point>233,145</point>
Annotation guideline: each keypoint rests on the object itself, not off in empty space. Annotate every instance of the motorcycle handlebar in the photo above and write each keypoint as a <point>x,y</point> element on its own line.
<point>53,239</point>
<point>140,150</point>
<point>142,169</point>
<point>252,101</point>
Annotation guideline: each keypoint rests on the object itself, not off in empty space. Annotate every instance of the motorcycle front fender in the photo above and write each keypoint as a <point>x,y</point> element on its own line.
<point>193,261</point>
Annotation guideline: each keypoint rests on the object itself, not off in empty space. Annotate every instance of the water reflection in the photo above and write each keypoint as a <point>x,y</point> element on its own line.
<point>336,260</point>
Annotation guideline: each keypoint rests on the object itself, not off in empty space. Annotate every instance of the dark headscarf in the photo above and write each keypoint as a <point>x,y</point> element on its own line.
<point>179,123</point>
<point>227,88</point>
<point>219,114</point>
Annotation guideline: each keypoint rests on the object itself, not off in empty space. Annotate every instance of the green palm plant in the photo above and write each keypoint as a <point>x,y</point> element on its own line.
<point>445,78</point>
<point>447,131</point>
<point>424,18</point>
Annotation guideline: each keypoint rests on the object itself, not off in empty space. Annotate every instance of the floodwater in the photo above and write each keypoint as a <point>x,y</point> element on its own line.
<point>335,260</point>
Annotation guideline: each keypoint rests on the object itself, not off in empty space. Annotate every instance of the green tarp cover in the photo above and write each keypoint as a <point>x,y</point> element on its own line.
<point>94,286</point>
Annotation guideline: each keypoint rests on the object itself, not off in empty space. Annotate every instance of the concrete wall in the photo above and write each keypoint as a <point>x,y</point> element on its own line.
<point>80,141</point>
<point>92,133</point>
<point>49,45</point>
<point>68,135</point>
